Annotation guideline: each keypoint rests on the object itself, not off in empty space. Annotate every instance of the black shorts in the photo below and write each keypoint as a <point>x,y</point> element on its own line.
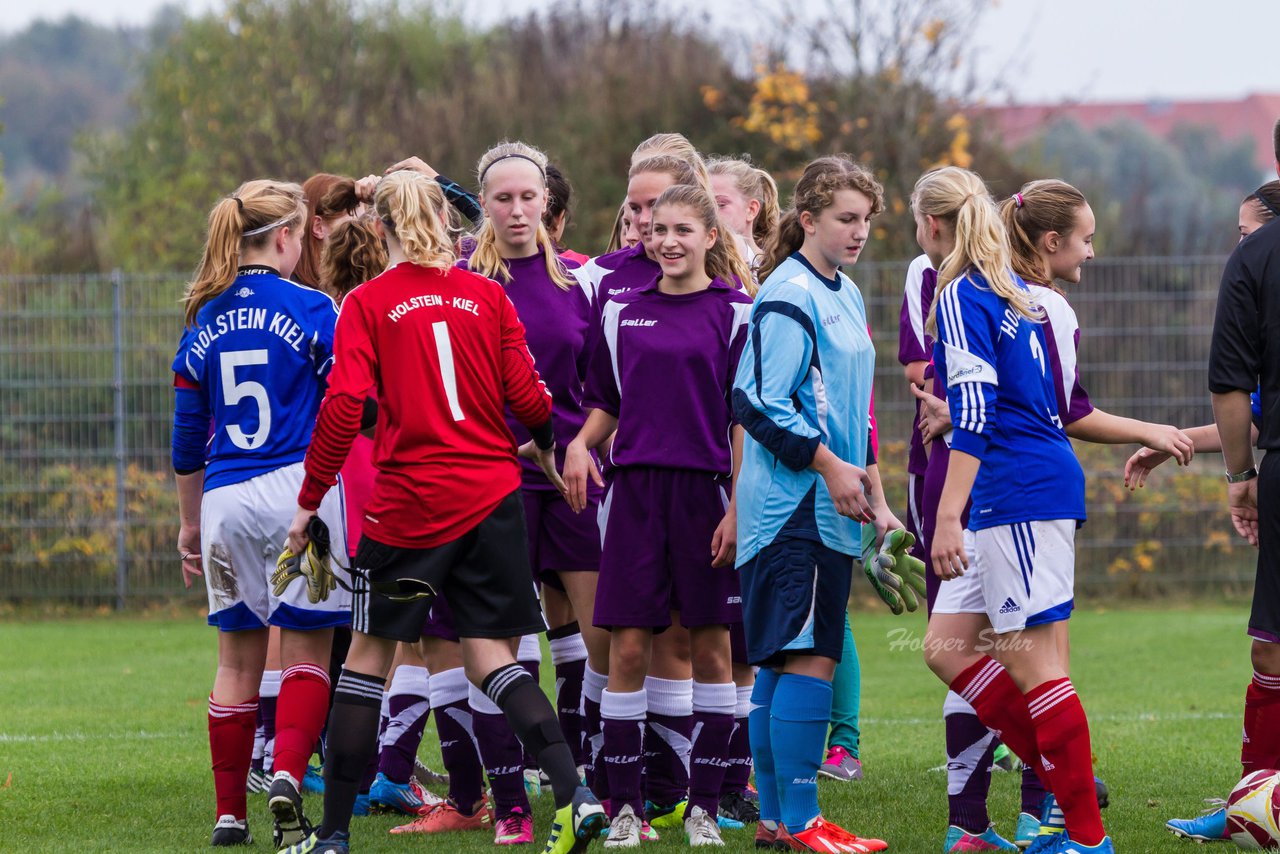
<point>484,574</point>
<point>1264,620</point>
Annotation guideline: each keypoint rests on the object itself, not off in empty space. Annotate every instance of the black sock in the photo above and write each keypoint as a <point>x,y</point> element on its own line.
<point>353,739</point>
<point>533,720</point>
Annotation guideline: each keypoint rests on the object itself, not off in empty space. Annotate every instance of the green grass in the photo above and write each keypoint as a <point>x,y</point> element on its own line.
<point>103,743</point>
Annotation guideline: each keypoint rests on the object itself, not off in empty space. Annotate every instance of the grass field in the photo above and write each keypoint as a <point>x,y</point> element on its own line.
<point>103,743</point>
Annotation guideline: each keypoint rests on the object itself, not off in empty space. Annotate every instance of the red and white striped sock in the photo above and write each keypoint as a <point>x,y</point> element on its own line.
<point>1000,706</point>
<point>1062,732</point>
<point>231,746</point>
<point>300,716</point>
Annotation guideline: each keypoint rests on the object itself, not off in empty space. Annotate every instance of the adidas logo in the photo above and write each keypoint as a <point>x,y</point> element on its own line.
<point>1009,606</point>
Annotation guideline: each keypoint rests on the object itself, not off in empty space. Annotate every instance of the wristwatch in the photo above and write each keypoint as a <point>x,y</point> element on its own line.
<point>1248,474</point>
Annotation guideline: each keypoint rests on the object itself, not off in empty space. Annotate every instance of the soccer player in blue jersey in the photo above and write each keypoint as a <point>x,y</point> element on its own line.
<point>803,394</point>
<point>252,364</point>
<point>1010,452</point>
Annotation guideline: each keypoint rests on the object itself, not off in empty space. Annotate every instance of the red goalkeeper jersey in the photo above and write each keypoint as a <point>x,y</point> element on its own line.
<point>446,353</point>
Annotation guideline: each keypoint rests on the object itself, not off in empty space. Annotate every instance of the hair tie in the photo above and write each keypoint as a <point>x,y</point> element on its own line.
<point>1017,200</point>
<point>239,203</point>
<point>508,157</point>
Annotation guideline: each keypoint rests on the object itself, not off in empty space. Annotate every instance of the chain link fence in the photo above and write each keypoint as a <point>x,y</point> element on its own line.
<point>88,508</point>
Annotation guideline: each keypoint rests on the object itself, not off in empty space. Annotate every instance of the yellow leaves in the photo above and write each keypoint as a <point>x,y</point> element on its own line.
<point>712,98</point>
<point>781,109</point>
<point>933,30</point>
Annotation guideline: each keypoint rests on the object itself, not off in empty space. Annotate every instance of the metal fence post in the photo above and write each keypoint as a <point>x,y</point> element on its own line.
<point>117,346</point>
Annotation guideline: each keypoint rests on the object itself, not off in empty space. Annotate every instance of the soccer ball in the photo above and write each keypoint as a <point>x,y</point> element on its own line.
<point>1253,811</point>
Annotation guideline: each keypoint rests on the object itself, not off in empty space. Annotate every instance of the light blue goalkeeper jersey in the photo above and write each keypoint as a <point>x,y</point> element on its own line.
<point>804,378</point>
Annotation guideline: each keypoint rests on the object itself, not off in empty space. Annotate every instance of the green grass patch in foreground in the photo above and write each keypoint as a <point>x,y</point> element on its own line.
<point>103,744</point>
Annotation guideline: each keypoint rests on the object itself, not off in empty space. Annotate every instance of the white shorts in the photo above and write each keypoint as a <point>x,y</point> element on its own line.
<point>242,532</point>
<point>1019,575</point>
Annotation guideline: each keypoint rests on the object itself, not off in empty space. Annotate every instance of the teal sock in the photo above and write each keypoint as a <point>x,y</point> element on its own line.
<point>846,697</point>
<point>761,745</point>
<point>798,729</point>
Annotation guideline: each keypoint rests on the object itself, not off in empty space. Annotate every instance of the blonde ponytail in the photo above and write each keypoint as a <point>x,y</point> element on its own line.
<point>247,219</point>
<point>960,198</point>
<point>412,207</point>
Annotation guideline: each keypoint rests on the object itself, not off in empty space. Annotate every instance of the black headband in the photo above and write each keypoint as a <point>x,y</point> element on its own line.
<point>508,157</point>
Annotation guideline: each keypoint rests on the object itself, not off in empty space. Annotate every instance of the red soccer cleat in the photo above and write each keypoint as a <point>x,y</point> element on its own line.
<point>830,838</point>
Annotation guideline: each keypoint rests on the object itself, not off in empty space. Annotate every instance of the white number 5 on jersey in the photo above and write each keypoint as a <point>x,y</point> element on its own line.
<point>234,392</point>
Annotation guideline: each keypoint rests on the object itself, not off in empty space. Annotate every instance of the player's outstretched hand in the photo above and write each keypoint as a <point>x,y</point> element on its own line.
<point>546,461</point>
<point>935,416</point>
<point>724,542</point>
<point>949,559</point>
<point>1138,467</point>
<point>366,187</point>
<point>298,537</point>
<point>413,164</point>
<point>1172,441</point>
<point>189,553</point>
<point>1242,499</point>
<point>578,466</point>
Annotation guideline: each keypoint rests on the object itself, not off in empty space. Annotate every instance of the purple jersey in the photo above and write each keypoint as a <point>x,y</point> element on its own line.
<point>1062,334</point>
<point>914,344</point>
<point>664,367</point>
<point>556,328</point>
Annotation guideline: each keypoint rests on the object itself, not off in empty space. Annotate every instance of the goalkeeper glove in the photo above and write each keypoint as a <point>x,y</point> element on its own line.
<point>312,564</point>
<point>896,575</point>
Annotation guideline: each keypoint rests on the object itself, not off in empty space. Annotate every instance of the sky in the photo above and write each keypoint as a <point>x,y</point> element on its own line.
<point>1036,50</point>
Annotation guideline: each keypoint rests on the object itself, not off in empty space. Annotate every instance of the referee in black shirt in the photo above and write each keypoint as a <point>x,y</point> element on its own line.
<point>1245,354</point>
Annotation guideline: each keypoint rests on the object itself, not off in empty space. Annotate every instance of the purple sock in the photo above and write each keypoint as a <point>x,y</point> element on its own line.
<point>713,706</point>
<point>569,704</point>
<point>592,735</point>
<point>738,775</point>
<point>970,747</point>
<point>1033,791</point>
<point>402,734</point>
<point>623,726</point>
<point>668,733</point>
<point>459,754</point>
<point>502,755</point>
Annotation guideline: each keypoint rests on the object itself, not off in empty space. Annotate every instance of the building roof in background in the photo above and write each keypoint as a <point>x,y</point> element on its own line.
<point>1252,117</point>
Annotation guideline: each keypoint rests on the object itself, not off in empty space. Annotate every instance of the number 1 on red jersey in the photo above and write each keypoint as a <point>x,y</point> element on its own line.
<point>444,350</point>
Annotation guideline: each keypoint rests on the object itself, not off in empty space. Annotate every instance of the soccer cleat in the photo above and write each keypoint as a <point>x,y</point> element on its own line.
<point>1069,847</point>
<point>1104,794</point>
<point>576,824</point>
<point>445,817</point>
<point>824,836</point>
<point>1047,841</point>
<point>388,796</point>
<point>285,802</point>
<point>1028,830</point>
<point>338,843</point>
<point>701,829</point>
<point>313,781</point>
<point>426,777</point>
<point>361,806</point>
<point>1003,759</point>
<point>230,831</point>
<point>840,765</point>
<point>1211,826</point>
<point>624,829</point>
<point>259,781</point>
<point>738,807</point>
<point>773,838</point>
<point>958,839</point>
<point>514,829</point>
<point>647,833</point>
<point>664,816</point>
<point>533,783</point>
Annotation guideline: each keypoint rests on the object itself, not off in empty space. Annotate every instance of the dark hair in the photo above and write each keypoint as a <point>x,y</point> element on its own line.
<point>327,196</point>
<point>1275,140</point>
<point>559,193</point>
<point>1266,201</point>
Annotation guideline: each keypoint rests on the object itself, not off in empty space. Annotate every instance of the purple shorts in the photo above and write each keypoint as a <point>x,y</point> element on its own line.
<point>559,539</point>
<point>439,623</point>
<point>658,525</point>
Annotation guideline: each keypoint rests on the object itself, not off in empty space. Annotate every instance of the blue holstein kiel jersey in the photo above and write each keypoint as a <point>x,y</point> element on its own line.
<point>1003,408</point>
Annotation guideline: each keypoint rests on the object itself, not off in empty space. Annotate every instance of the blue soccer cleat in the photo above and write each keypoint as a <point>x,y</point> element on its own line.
<point>313,781</point>
<point>389,796</point>
<point>1211,826</point>
<point>338,843</point>
<point>960,840</point>
<point>1047,842</point>
<point>1066,846</point>
<point>1028,829</point>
